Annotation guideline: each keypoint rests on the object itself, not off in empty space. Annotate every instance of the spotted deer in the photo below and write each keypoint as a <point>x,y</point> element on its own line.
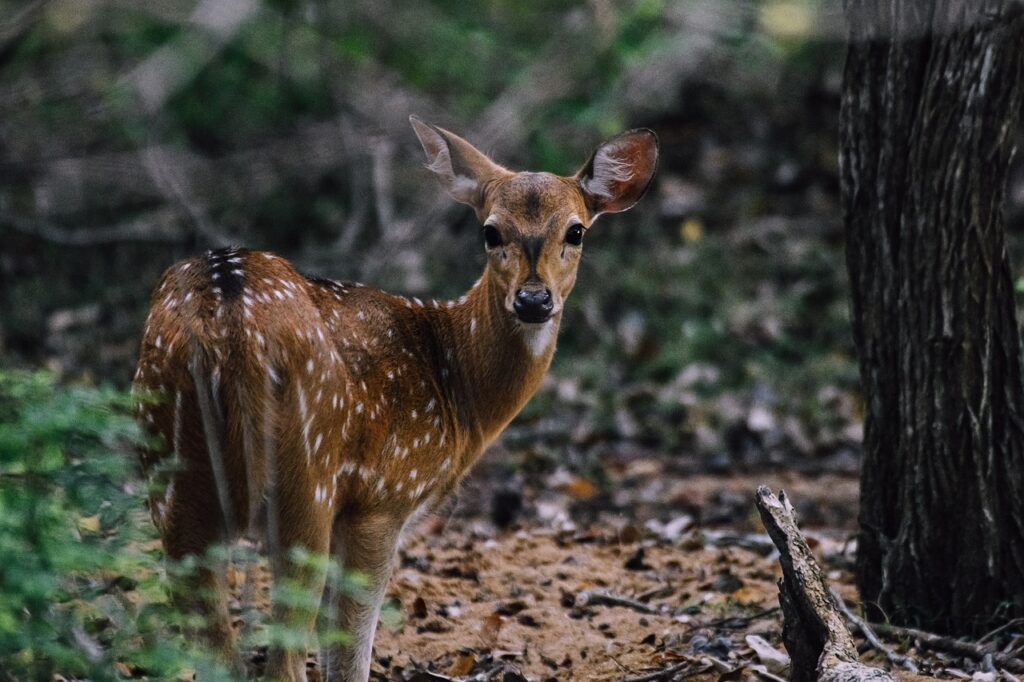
<point>329,415</point>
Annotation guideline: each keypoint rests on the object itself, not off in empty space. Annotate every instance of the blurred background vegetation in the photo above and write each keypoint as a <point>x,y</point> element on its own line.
<point>709,324</point>
<point>710,321</point>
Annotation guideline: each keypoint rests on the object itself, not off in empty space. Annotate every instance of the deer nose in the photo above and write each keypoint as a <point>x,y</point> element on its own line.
<point>533,305</point>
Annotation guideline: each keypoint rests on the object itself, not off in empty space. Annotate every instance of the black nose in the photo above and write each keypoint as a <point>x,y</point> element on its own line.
<point>533,305</point>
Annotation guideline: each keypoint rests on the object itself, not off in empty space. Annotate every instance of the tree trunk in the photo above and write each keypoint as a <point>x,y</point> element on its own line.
<point>931,98</point>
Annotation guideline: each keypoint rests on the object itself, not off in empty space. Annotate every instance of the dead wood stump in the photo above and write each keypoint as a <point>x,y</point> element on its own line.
<point>820,645</point>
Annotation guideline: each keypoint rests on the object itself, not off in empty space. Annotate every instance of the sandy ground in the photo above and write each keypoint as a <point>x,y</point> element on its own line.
<point>521,599</point>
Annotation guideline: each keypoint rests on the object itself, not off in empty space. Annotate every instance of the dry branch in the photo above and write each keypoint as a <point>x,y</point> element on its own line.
<point>606,598</point>
<point>871,637</point>
<point>814,632</point>
<point>929,640</point>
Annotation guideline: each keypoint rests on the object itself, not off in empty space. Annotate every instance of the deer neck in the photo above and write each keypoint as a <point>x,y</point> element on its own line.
<point>496,363</point>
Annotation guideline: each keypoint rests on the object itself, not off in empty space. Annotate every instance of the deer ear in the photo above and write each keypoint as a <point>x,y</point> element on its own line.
<point>462,169</point>
<point>619,171</point>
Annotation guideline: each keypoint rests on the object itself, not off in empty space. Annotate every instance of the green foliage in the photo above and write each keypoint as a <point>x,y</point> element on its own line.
<point>71,538</point>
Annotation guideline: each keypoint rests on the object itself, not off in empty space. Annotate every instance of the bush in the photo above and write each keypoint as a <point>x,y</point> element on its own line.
<point>81,586</point>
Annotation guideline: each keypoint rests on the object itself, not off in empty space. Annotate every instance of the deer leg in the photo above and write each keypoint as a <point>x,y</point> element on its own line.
<point>302,524</point>
<point>366,545</point>
<point>191,526</point>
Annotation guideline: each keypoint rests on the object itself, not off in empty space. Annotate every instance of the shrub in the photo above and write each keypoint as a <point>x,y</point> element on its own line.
<point>81,584</point>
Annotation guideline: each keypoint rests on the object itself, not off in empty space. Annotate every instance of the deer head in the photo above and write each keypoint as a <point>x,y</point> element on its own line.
<point>533,224</point>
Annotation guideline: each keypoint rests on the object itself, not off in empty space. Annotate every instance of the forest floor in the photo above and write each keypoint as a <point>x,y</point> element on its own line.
<point>611,600</point>
<point>648,574</point>
<point>545,583</point>
<point>542,595</point>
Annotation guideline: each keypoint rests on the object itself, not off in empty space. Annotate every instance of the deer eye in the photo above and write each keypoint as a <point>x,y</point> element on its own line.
<point>575,235</point>
<point>491,236</point>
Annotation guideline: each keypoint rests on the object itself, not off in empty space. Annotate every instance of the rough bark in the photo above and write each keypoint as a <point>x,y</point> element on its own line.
<point>931,96</point>
<point>815,635</point>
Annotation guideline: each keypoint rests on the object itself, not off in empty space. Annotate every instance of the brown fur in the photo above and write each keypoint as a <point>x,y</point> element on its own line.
<point>330,414</point>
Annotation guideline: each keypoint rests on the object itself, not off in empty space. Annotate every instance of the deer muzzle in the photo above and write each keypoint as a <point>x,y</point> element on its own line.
<point>533,305</point>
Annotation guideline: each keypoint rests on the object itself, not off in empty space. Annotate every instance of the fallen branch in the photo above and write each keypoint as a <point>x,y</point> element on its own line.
<point>814,633</point>
<point>869,634</point>
<point>1015,623</point>
<point>930,640</point>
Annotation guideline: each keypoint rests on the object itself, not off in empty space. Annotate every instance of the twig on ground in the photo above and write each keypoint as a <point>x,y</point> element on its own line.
<point>604,598</point>
<point>670,672</point>
<point>618,664</point>
<point>869,634</point>
<point>759,543</point>
<point>948,644</point>
<point>763,672</point>
<point>657,593</point>
<point>736,622</point>
<point>1016,622</point>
